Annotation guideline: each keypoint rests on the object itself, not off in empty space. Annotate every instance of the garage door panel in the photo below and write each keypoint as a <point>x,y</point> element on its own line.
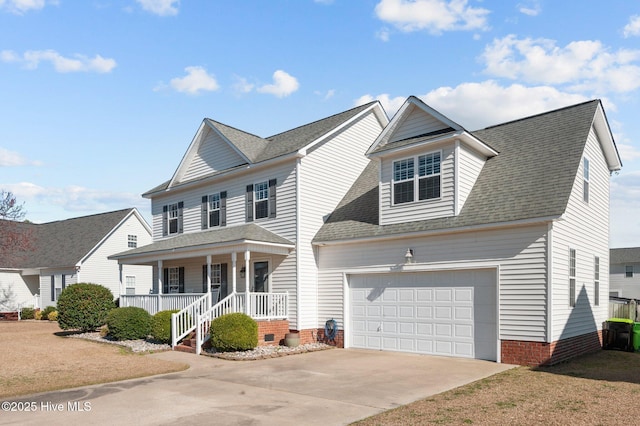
<point>445,312</point>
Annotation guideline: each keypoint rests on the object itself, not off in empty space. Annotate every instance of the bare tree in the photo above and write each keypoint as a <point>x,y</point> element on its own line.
<point>15,237</point>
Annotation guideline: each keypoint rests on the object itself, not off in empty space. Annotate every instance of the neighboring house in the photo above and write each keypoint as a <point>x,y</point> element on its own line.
<point>75,250</point>
<point>414,235</point>
<point>487,244</point>
<point>624,272</point>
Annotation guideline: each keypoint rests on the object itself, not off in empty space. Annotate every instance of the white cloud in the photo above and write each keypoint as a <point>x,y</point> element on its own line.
<point>435,16</point>
<point>160,7</point>
<point>530,8</point>
<point>383,34</point>
<point>19,7</point>
<point>477,105</point>
<point>633,27</point>
<point>242,85</point>
<point>581,65</point>
<point>31,59</point>
<point>12,158</point>
<point>197,80</point>
<point>326,95</point>
<point>283,85</point>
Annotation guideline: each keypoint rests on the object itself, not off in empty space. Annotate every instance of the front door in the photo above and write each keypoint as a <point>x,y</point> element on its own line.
<point>261,277</point>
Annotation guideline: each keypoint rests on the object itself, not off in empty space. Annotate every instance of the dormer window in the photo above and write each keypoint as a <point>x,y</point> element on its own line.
<point>427,175</point>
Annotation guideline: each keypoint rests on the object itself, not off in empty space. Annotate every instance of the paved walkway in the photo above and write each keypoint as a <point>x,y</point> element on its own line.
<point>331,387</point>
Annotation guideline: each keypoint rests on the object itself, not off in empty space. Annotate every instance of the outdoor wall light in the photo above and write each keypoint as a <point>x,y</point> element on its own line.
<point>408,256</point>
<point>243,272</point>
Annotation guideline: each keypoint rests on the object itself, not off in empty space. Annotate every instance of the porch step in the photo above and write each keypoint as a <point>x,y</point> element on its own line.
<point>188,344</point>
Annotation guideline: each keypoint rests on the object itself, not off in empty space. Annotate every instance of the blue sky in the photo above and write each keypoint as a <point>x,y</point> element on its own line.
<point>99,99</point>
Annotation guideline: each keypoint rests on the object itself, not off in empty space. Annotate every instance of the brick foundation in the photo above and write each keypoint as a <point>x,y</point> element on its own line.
<point>276,327</point>
<point>313,335</point>
<point>8,316</point>
<point>538,353</point>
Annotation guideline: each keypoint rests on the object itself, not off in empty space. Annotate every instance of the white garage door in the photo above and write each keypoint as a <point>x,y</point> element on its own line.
<point>439,313</point>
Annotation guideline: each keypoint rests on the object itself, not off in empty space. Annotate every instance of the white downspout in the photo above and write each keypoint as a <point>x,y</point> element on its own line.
<point>247,273</point>
<point>209,280</point>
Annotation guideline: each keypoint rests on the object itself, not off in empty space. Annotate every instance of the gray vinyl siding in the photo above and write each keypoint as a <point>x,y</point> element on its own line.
<point>213,154</point>
<point>70,277</point>
<point>469,167</point>
<point>520,253</point>
<point>416,123</point>
<point>420,209</point>
<point>585,228</point>
<point>327,173</point>
<point>621,285</point>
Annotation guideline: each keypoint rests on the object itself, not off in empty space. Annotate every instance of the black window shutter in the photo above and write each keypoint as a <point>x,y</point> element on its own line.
<point>204,217</point>
<point>64,281</point>
<point>223,281</point>
<point>223,208</point>
<point>165,220</point>
<point>204,279</point>
<point>181,279</point>
<point>180,207</point>
<point>165,281</point>
<point>272,198</point>
<point>249,203</point>
<point>53,288</point>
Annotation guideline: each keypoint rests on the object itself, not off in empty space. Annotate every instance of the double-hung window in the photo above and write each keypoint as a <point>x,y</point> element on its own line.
<point>173,218</point>
<point>174,280</point>
<point>427,175</point>
<point>130,284</point>
<point>572,277</point>
<point>214,210</point>
<point>132,241</point>
<point>628,271</point>
<point>261,199</point>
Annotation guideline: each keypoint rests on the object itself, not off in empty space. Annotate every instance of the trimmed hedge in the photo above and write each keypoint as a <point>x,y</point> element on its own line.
<point>128,323</point>
<point>161,325</point>
<point>84,306</point>
<point>46,311</point>
<point>234,332</point>
<point>27,313</point>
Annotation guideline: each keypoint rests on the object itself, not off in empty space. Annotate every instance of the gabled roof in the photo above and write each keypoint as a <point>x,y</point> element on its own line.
<point>219,236</point>
<point>66,243</point>
<point>530,179</point>
<point>626,255</point>
<point>255,149</point>
<point>440,129</point>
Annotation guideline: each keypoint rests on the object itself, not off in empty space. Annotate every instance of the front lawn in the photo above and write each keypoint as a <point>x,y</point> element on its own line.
<point>598,389</point>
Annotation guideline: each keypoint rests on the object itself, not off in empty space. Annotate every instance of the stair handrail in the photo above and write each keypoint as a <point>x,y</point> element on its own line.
<point>184,321</point>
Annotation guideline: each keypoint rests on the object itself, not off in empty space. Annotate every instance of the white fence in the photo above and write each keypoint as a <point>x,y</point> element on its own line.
<point>153,303</point>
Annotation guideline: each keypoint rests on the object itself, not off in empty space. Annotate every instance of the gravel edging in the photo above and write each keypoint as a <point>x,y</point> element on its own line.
<point>266,352</point>
<point>261,352</point>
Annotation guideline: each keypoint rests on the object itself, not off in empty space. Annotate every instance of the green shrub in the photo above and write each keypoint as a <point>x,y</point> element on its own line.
<point>84,306</point>
<point>27,313</point>
<point>161,326</point>
<point>234,332</point>
<point>46,311</point>
<point>53,316</point>
<point>129,323</point>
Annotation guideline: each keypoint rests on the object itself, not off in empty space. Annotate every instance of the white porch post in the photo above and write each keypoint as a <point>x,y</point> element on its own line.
<point>209,278</point>
<point>247,274</point>
<point>160,284</point>
<point>234,260</point>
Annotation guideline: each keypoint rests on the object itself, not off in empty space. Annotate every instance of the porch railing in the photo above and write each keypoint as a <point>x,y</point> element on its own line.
<point>261,306</point>
<point>154,303</point>
<point>184,322</point>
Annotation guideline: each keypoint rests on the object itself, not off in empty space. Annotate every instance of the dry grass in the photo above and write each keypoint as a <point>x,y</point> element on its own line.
<point>35,358</point>
<point>598,389</point>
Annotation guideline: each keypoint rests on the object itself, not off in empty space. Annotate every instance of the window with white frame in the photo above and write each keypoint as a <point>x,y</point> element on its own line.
<point>130,284</point>
<point>596,281</point>
<point>427,175</point>
<point>214,209</point>
<point>173,218</point>
<point>216,275</point>
<point>572,277</point>
<point>585,178</point>
<point>628,271</point>
<point>261,199</point>
<point>174,280</point>
<point>132,241</point>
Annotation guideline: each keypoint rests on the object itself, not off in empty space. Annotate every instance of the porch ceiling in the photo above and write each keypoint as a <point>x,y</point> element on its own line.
<point>212,242</point>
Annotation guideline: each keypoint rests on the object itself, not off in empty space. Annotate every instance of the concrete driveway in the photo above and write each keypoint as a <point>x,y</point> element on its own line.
<point>331,387</point>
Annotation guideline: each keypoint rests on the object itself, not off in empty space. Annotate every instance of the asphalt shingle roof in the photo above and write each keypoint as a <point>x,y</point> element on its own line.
<point>247,232</point>
<point>62,243</point>
<point>531,177</point>
<point>624,255</point>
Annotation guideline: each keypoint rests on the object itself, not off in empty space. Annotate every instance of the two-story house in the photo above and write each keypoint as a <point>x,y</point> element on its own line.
<point>624,272</point>
<point>237,217</point>
<point>490,244</point>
